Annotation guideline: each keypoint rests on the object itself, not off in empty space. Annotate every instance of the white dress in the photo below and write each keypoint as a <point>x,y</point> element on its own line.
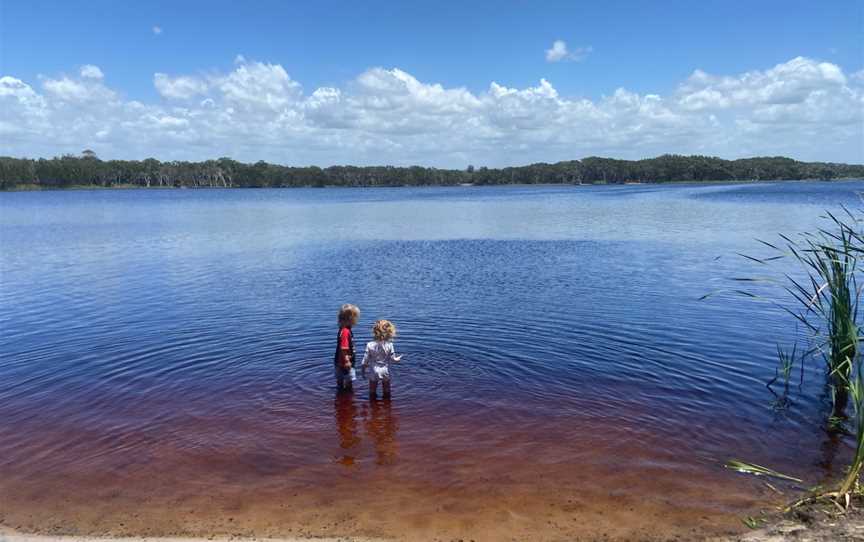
<point>378,357</point>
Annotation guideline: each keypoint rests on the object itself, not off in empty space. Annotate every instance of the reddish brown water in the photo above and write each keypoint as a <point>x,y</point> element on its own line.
<point>348,466</point>
<point>370,469</point>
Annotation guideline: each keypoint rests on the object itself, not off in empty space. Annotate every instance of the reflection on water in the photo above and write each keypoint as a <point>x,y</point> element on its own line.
<point>347,427</point>
<point>381,426</point>
<point>828,461</point>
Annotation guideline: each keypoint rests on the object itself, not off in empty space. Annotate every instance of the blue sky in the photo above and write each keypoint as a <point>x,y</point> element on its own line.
<point>647,48</point>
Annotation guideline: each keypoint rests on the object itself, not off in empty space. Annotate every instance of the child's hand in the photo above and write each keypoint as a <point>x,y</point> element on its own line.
<point>397,359</point>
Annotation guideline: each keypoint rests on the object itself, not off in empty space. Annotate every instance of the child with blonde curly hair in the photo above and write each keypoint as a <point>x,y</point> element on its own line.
<point>378,357</point>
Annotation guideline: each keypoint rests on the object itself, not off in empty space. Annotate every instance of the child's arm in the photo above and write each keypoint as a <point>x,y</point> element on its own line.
<point>365,360</point>
<point>393,357</point>
<point>345,357</point>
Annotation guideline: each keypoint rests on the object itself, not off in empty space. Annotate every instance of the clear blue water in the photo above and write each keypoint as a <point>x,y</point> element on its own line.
<point>204,321</point>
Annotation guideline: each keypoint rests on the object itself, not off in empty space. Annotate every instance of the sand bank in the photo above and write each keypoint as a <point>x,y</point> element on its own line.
<point>8,535</point>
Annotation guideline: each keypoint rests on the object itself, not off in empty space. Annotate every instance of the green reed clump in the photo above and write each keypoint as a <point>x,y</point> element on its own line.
<point>827,305</point>
<point>827,298</point>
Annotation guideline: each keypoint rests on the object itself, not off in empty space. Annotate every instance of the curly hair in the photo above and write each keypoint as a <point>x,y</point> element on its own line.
<point>384,330</point>
<point>348,315</point>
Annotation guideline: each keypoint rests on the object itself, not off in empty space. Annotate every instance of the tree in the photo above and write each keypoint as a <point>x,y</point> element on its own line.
<point>88,169</point>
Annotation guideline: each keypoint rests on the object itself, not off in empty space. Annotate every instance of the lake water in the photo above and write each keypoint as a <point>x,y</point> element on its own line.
<point>167,360</point>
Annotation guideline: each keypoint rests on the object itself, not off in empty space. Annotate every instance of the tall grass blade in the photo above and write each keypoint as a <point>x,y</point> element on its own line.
<point>856,390</point>
<point>758,470</point>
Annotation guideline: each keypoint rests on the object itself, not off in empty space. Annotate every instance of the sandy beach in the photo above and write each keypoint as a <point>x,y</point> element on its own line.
<point>8,535</point>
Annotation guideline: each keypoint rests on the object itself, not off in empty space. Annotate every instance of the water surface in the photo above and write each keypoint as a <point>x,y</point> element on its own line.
<point>166,360</point>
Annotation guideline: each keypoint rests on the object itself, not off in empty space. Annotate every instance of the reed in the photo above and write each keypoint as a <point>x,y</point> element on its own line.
<point>849,485</point>
<point>827,298</point>
<point>758,470</point>
<point>827,301</point>
<point>784,373</point>
<point>831,295</point>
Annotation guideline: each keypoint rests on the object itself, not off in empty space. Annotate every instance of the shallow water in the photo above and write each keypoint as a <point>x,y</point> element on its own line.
<point>167,360</point>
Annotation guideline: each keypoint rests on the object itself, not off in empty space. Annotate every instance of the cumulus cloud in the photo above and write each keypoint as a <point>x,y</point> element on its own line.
<point>804,108</point>
<point>258,85</point>
<point>560,53</point>
<point>785,84</point>
<point>89,87</point>
<point>91,72</point>
<point>181,88</point>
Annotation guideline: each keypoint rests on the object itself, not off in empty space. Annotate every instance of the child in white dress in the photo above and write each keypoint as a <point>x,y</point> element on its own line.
<point>378,357</point>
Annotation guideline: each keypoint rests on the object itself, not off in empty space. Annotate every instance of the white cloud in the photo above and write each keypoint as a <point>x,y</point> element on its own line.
<point>258,86</point>
<point>157,30</point>
<point>87,88</point>
<point>25,112</point>
<point>560,53</point>
<point>789,83</point>
<point>803,108</point>
<point>181,88</point>
<point>91,71</point>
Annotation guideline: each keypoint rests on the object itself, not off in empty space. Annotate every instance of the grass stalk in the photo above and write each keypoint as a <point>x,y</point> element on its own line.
<point>758,470</point>
<point>827,297</point>
<point>856,391</point>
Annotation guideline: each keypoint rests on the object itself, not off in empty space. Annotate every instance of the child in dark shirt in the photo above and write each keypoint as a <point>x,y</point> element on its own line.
<point>344,358</point>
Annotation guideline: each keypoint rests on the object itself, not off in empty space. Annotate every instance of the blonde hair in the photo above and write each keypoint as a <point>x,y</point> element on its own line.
<point>348,315</point>
<point>384,330</point>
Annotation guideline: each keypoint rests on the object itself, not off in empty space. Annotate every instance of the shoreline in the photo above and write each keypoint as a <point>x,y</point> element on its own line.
<point>11,535</point>
<point>813,525</point>
<point>84,187</point>
<point>810,524</point>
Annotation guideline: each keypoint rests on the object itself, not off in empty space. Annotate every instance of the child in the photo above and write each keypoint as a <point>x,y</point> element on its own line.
<point>379,354</point>
<point>344,358</point>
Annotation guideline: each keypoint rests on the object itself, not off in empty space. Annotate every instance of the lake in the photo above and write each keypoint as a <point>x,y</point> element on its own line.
<point>167,360</point>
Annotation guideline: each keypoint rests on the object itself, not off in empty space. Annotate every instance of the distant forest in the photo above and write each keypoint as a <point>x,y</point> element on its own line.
<point>87,170</point>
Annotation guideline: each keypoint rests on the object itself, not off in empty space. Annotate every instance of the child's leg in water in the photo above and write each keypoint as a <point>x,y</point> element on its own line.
<point>386,385</point>
<point>373,388</point>
<point>343,380</point>
<point>348,379</point>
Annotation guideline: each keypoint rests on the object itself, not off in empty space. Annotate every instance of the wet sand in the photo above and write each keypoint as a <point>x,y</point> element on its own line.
<point>516,516</point>
<point>8,535</point>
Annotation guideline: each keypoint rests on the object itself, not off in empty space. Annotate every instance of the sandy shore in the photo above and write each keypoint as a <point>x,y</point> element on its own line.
<point>7,535</point>
<point>808,523</point>
<point>838,530</point>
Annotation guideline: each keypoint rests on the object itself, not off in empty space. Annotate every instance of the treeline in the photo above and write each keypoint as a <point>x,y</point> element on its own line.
<point>89,170</point>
